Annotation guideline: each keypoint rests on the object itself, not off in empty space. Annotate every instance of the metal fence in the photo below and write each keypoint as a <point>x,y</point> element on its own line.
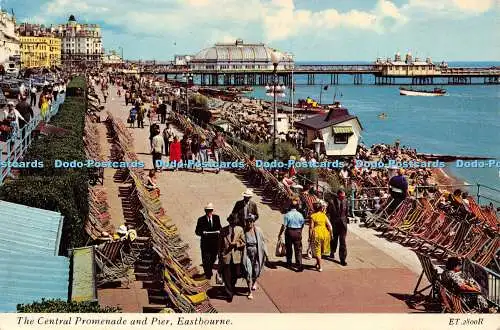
<point>14,148</point>
<point>484,194</point>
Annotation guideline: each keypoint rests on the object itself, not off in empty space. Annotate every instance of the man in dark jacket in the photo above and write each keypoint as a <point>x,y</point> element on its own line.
<point>398,188</point>
<point>208,228</point>
<point>337,211</point>
<point>162,110</point>
<point>244,208</point>
<point>26,111</point>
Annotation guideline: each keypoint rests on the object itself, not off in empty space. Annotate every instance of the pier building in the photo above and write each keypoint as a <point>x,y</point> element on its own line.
<point>239,56</point>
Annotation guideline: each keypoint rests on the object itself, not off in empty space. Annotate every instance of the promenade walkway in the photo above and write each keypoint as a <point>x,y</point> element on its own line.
<point>372,282</point>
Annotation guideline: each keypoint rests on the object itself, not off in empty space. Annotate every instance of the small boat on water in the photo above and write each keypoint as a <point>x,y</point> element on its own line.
<point>421,92</point>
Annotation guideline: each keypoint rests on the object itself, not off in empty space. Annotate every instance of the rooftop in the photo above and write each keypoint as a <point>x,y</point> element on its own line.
<point>237,51</point>
<point>29,247</point>
<point>333,117</point>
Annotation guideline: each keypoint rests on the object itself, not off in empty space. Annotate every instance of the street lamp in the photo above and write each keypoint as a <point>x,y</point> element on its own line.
<point>188,76</point>
<point>275,59</point>
<point>317,146</point>
<point>121,52</point>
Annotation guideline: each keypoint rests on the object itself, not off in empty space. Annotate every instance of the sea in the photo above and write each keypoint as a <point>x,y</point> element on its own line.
<point>464,122</point>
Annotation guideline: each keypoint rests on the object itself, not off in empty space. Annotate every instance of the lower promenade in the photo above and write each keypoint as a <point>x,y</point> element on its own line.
<point>378,276</point>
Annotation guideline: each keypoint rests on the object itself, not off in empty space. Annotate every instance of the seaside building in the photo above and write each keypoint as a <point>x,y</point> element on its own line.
<point>409,67</point>
<point>40,47</point>
<point>80,43</point>
<point>238,56</point>
<point>182,60</point>
<point>339,130</point>
<point>112,59</point>
<point>10,45</point>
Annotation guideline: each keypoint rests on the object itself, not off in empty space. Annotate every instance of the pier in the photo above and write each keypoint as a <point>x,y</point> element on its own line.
<point>361,74</point>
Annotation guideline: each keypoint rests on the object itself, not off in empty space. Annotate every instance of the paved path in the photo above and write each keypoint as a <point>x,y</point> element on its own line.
<point>368,284</point>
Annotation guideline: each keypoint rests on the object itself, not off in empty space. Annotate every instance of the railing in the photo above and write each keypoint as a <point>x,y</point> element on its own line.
<point>14,148</point>
<point>359,204</point>
<point>493,286</point>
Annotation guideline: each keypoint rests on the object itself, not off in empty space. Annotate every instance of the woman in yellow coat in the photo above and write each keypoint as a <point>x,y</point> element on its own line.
<point>320,232</point>
<point>44,106</point>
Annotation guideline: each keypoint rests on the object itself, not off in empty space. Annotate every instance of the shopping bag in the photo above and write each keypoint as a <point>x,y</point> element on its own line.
<point>280,248</point>
<point>218,279</point>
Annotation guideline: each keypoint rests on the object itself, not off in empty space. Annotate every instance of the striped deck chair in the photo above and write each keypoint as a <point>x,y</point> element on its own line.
<point>374,217</point>
<point>432,276</point>
<point>489,253</point>
<point>472,246</point>
<point>453,303</point>
<point>457,240</point>
<point>397,216</point>
<point>403,230</point>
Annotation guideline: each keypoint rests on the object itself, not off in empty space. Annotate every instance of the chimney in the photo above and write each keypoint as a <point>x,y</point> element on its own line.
<point>336,113</point>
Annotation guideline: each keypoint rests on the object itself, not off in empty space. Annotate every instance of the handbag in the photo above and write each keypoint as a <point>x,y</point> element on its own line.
<point>280,248</point>
<point>129,120</point>
<point>218,279</point>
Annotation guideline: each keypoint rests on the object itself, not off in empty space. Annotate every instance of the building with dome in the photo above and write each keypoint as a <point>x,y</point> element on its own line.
<point>80,43</point>
<point>238,56</point>
<point>239,63</point>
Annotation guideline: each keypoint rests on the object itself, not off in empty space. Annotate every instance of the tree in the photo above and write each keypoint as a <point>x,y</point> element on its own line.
<point>61,306</point>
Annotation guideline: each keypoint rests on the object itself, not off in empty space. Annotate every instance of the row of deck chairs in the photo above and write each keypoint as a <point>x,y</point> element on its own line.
<point>272,188</point>
<point>99,219</point>
<point>178,270</point>
<point>424,225</point>
<point>93,148</point>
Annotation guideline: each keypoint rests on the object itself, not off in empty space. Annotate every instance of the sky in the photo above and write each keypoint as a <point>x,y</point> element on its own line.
<point>312,30</point>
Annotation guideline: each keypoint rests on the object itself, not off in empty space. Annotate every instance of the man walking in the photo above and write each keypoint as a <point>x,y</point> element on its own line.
<point>244,208</point>
<point>292,226</point>
<point>218,144</point>
<point>208,228</point>
<point>231,245</point>
<point>168,137</point>
<point>162,110</point>
<point>157,146</point>
<point>337,211</point>
<point>33,96</point>
<point>140,115</point>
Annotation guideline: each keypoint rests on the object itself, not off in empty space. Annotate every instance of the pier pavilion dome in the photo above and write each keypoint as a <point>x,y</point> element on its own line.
<point>238,56</point>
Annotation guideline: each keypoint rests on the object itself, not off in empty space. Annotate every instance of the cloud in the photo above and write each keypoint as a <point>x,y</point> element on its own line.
<point>253,20</point>
<point>451,7</point>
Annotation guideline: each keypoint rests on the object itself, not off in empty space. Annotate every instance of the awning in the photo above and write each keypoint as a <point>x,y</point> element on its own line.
<point>342,130</point>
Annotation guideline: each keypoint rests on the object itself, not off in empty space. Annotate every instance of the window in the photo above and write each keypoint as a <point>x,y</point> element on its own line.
<point>341,138</point>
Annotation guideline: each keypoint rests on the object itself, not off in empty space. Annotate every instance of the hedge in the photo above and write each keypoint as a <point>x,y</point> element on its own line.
<point>60,306</point>
<point>61,190</point>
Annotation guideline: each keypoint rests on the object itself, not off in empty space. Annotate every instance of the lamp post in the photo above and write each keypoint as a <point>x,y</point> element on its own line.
<point>121,51</point>
<point>317,145</point>
<point>275,59</point>
<point>188,76</point>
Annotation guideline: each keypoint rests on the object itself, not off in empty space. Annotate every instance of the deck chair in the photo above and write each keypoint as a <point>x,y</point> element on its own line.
<point>432,276</point>
<point>453,303</point>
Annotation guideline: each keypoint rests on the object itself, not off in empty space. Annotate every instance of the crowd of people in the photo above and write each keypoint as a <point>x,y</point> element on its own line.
<point>16,115</point>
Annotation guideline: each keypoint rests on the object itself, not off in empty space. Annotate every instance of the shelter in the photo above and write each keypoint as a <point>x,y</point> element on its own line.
<point>339,130</point>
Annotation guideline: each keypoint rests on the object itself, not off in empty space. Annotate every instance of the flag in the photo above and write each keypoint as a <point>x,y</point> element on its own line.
<point>325,88</point>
